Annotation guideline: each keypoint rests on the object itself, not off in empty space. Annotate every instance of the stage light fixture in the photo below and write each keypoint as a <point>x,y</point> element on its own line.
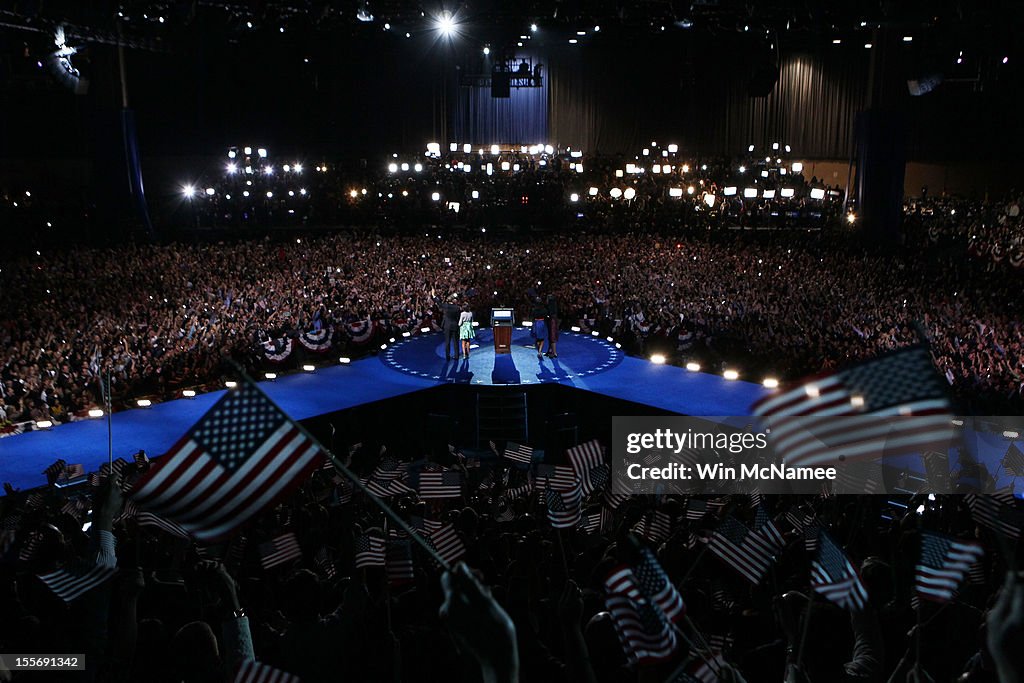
<point>672,149</point>
<point>837,41</point>
<point>731,375</point>
<point>817,193</point>
<point>770,383</point>
<point>851,218</point>
<point>592,192</point>
<point>615,193</point>
<point>743,169</point>
<point>857,401</point>
<point>693,366</point>
<point>144,403</point>
<point>787,192</point>
<point>750,192</point>
<point>691,189</point>
<point>797,167</point>
<point>533,28</point>
<point>675,192</point>
<point>908,39</point>
<point>418,168</point>
<point>188,393</point>
<point>210,192</point>
<point>658,359</point>
<point>729,191</point>
<point>1010,434</point>
<point>231,169</point>
<point>573,41</point>
<point>95,412</point>
<point>768,194</point>
<point>487,51</point>
<point>43,424</point>
<point>629,193</point>
<point>709,199</point>
<point>574,197</point>
<point>270,375</point>
<point>262,153</point>
<point>188,191</point>
<point>435,196</point>
<point>446,24</point>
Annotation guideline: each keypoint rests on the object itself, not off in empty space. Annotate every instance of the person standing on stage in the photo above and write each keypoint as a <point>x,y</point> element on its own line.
<point>552,326</point>
<point>450,327</point>
<point>540,329</point>
<point>466,333</point>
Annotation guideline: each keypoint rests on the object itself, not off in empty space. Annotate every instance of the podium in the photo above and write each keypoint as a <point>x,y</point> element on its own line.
<point>502,322</point>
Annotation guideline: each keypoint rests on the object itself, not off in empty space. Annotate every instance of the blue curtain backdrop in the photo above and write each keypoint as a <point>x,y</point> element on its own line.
<point>522,118</point>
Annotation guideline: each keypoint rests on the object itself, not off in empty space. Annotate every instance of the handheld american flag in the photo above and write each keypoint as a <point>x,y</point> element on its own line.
<point>72,582</point>
<point>586,458</point>
<point>942,566</point>
<point>518,453</point>
<point>252,671</point>
<point>812,422</point>
<point>280,550</point>
<point>643,604</point>
<point>239,458</point>
<point>746,551</point>
<point>369,551</point>
<point>833,576</point>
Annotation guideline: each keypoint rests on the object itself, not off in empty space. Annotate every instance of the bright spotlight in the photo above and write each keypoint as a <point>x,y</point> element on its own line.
<point>592,192</point>
<point>344,360</point>
<point>43,424</point>
<point>144,403</point>
<point>297,168</point>
<point>231,168</point>
<point>693,366</point>
<point>210,192</point>
<point>188,393</point>
<point>96,412</point>
<point>817,193</point>
<point>487,51</point>
<point>658,359</point>
<point>446,24</point>
<point>729,191</point>
<point>270,375</point>
<point>851,218</point>
<point>770,383</point>
<point>615,193</point>
<point>533,28</point>
<point>436,196</point>
<point>731,375</point>
<point>574,197</point>
<point>630,193</point>
<point>797,167</point>
<point>188,191</point>
<point>262,152</point>
<point>675,192</point>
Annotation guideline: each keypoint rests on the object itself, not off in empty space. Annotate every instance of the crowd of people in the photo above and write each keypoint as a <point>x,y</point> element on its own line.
<point>157,319</point>
<point>353,600</point>
<point>990,232</point>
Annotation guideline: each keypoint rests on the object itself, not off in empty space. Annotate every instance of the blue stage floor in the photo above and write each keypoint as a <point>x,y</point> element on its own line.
<point>585,362</point>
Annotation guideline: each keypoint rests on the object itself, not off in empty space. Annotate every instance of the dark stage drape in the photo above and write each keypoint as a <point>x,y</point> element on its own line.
<point>521,118</point>
<point>619,102</point>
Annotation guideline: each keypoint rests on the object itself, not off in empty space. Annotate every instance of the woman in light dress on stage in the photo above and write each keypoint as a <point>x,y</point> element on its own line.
<point>466,332</point>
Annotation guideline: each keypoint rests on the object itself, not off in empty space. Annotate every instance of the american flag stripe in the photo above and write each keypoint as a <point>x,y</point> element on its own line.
<point>252,671</point>
<point>565,508</point>
<point>69,584</point>
<point>655,526</point>
<point>641,643</point>
<point>148,519</point>
<point>558,477</point>
<point>857,439</point>
<point>584,459</point>
<point>282,549</point>
<point>447,543</point>
<point>398,561</point>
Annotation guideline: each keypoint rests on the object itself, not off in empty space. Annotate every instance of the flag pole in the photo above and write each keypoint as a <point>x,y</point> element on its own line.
<point>110,426</point>
<point>350,475</point>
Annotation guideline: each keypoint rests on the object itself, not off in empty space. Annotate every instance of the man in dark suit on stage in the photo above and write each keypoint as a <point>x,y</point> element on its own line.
<point>450,327</point>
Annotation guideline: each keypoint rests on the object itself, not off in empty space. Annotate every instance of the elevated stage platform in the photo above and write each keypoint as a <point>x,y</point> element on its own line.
<point>585,362</point>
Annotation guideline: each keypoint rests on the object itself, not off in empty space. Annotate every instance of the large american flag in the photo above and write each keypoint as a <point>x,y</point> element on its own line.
<point>744,550</point>
<point>834,577</point>
<point>902,384</point>
<point>239,458</point>
<point>584,459</point>
<point>280,550</point>
<point>943,564</point>
<point>252,671</point>
<point>643,603</point>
